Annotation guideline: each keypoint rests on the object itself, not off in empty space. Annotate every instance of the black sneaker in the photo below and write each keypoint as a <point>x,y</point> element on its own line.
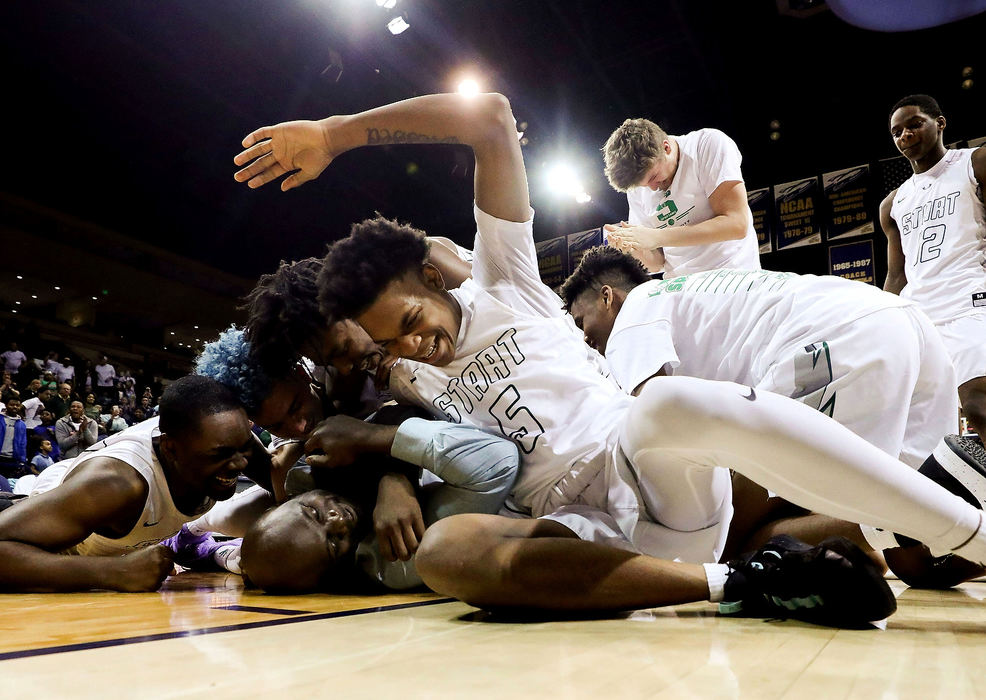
<point>959,464</point>
<point>833,583</point>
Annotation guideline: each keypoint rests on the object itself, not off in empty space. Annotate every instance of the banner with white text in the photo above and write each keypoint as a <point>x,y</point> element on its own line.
<point>853,261</point>
<point>552,260</point>
<point>849,195</point>
<point>759,201</point>
<point>796,206</point>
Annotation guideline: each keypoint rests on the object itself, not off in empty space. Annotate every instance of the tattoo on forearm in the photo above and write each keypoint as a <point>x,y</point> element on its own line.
<point>381,137</point>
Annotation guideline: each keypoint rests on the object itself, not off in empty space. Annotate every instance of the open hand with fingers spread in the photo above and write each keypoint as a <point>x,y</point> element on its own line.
<point>302,148</point>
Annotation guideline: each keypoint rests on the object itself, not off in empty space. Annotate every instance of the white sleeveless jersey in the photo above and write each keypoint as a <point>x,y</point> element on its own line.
<point>707,158</point>
<point>942,226</point>
<point>522,370</point>
<point>731,325</point>
<point>160,518</point>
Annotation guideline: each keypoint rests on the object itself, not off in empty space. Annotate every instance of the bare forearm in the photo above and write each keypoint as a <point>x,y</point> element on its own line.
<point>30,569</point>
<point>714,230</point>
<point>446,118</point>
<point>895,283</point>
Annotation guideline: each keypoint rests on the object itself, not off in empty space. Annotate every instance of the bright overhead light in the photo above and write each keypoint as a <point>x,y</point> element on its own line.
<point>468,87</point>
<point>17,302</point>
<point>172,332</point>
<point>20,277</point>
<point>387,4</point>
<point>57,288</point>
<point>583,198</point>
<point>398,25</point>
<point>563,179</point>
<point>94,298</point>
<point>195,327</point>
<point>34,296</point>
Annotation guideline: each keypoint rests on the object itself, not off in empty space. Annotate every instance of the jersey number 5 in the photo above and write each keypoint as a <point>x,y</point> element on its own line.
<point>516,422</point>
<point>932,238</point>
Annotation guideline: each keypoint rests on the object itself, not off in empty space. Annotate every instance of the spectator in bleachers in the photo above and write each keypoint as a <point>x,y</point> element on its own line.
<point>13,441</point>
<point>7,389</point>
<point>138,415</point>
<point>46,431</point>
<point>33,407</point>
<point>43,459</point>
<point>113,422</point>
<point>105,381</point>
<point>147,405</point>
<point>32,389</point>
<point>52,364</point>
<point>127,410</point>
<point>74,432</point>
<point>65,373</point>
<point>91,408</point>
<point>59,403</point>
<point>48,380</point>
<point>13,359</point>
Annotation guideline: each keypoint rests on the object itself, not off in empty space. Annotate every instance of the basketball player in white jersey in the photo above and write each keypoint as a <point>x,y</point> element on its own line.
<point>624,473</point>
<point>936,242</point>
<point>688,205</point>
<point>115,502</point>
<point>870,360</point>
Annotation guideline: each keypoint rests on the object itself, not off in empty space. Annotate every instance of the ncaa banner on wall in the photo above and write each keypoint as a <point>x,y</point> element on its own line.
<point>848,193</point>
<point>580,242</point>
<point>759,202</point>
<point>853,261</point>
<point>796,206</point>
<point>552,260</point>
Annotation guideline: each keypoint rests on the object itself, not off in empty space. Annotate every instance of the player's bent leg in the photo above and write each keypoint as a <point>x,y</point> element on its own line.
<point>799,454</point>
<point>494,561</point>
<point>972,396</point>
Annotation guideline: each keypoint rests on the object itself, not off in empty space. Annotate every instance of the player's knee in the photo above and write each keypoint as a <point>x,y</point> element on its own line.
<point>677,409</point>
<point>446,558</point>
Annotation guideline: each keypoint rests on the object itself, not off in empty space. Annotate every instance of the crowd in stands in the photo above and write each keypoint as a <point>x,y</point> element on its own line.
<point>53,408</point>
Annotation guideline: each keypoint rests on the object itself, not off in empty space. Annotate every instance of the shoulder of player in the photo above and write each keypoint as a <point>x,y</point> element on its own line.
<point>888,201</point>
<point>110,478</point>
<point>979,163</point>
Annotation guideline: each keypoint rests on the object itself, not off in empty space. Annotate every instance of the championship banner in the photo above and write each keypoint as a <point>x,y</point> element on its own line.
<point>580,242</point>
<point>759,201</point>
<point>849,194</point>
<point>854,261</point>
<point>796,205</point>
<point>552,260</point>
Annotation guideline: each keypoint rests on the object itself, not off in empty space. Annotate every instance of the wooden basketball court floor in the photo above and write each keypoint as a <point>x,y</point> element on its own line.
<point>205,636</point>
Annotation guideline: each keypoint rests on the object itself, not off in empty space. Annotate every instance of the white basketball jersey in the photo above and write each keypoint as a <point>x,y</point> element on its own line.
<point>707,158</point>
<point>731,325</point>
<point>160,518</point>
<point>942,226</point>
<point>521,370</point>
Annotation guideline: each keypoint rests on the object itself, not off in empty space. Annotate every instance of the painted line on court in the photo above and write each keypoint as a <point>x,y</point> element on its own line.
<point>266,611</point>
<point>81,646</point>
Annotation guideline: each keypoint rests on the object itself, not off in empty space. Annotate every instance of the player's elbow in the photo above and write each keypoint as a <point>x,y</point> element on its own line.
<point>497,118</point>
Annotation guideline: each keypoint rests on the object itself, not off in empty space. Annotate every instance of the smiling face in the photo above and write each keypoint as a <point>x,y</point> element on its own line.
<point>292,408</point>
<point>414,317</point>
<point>207,461</point>
<point>595,313</point>
<point>915,133</point>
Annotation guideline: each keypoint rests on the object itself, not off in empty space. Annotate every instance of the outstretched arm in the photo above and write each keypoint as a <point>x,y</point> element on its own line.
<point>108,495</point>
<point>303,149</point>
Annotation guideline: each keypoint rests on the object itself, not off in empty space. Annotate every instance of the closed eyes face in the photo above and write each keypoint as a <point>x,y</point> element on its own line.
<point>594,319</point>
<point>292,408</point>
<point>347,347</point>
<point>412,318</point>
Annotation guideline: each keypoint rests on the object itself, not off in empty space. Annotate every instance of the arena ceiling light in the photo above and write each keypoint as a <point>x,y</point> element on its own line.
<point>468,87</point>
<point>387,4</point>
<point>562,179</point>
<point>397,25</point>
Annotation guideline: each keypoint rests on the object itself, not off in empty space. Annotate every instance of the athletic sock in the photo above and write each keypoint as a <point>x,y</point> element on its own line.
<point>716,575</point>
